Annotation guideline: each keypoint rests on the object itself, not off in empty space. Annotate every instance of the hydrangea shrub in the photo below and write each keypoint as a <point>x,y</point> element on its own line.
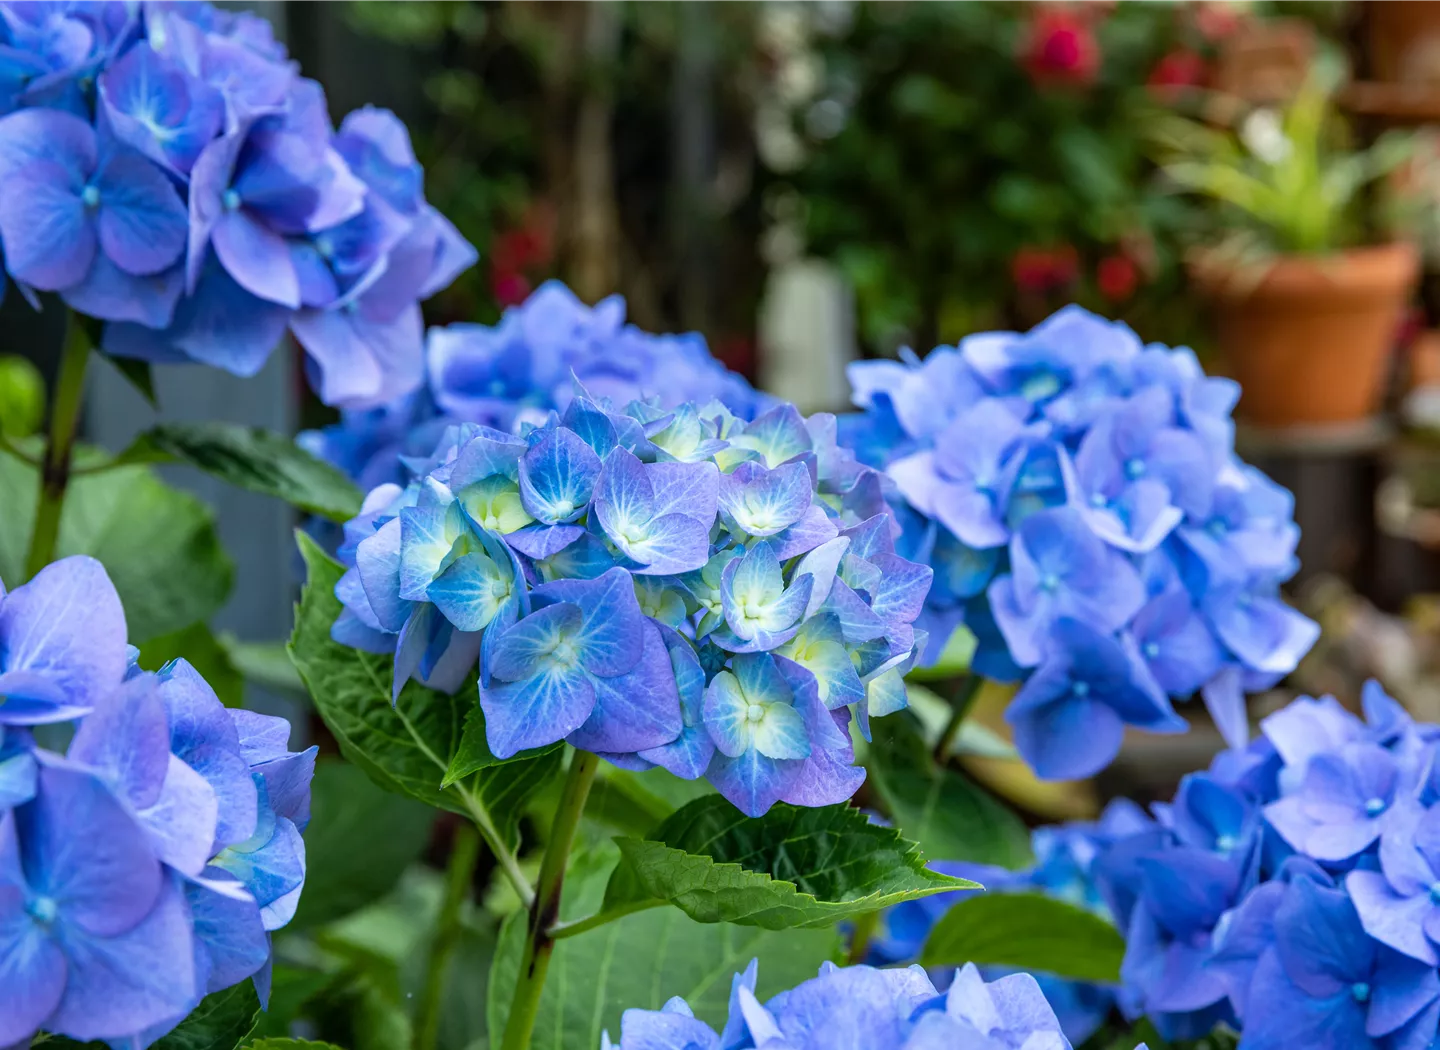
<point>170,173</point>
<point>1078,495</point>
<point>674,588</point>
<point>145,864</point>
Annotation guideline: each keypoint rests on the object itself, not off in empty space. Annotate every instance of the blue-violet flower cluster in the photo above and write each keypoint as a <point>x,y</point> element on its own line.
<point>673,587</point>
<point>517,371</point>
<point>1065,857</point>
<point>860,1006</point>
<point>168,171</point>
<point>1079,497</point>
<point>1290,890</point>
<point>148,864</point>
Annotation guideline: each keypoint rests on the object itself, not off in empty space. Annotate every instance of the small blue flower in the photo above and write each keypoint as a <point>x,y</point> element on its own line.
<point>1059,570</point>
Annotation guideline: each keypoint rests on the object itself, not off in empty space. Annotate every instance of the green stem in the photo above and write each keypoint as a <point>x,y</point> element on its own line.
<point>459,872</point>
<point>865,927</point>
<point>560,930</point>
<point>966,689</point>
<point>504,855</point>
<point>59,445</point>
<point>539,944</point>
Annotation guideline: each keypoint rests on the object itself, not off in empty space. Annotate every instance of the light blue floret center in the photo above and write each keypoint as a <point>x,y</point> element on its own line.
<point>1375,806</point>
<point>42,909</point>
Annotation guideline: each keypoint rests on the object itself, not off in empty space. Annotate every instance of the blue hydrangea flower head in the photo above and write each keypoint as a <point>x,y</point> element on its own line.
<point>724,605</point>
<point>146,866</point>
<point>173,175</point>
<point>1071,474</point>
<point>1288,891</point>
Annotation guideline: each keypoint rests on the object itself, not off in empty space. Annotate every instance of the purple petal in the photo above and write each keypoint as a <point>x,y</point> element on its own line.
<point>124,984</point>
<point>110,294</point>
<point>257,258</point>
<point>49,237</point>
<point>85,851</point>
<point>142,222</point>
<point>67,625</point>
<point>126,740</point>
<point>1390,918</point>
<point>637,710</point>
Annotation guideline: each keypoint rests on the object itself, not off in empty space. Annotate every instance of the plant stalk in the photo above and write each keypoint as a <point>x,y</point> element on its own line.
<point>59,447</point>
<point>539,941</point>
<point>967,688</point>
<point>459,872</point>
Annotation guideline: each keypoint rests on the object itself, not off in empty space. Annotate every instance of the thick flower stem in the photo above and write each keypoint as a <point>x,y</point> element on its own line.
<point>961,699</point>
<point>539,942</point>
<point>459,871</point>
<point>60,444</point>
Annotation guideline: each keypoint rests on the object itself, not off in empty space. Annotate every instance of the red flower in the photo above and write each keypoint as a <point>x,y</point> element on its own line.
<point>1040,270</point>
<point>1175,74</point>
<point>1059,48</point>
<point>1116,276</point>
<point>508,287</point>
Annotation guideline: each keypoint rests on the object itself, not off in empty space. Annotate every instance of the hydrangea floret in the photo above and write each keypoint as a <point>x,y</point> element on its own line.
<point>1079,497</point>
<point>1289,890</point>
<point>1064,865</point>
<point>860,1006</point>
<point>517,371</point>
<point>673,587</point>
<point>147,864</point>
<point>168,171</point>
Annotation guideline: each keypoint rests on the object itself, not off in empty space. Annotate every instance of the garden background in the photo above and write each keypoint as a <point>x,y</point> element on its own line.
<point>805,185</point>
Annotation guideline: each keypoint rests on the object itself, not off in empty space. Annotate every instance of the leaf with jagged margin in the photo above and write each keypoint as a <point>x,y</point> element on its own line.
<point>793,867</point>
<point>406,747</point>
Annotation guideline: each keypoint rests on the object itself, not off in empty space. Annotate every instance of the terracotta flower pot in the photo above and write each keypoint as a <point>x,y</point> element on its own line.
<point>1310,341</point>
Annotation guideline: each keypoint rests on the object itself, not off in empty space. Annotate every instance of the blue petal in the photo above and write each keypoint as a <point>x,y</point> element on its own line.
<point>66,626</point>
<point>471,591</point>
<point>557,477</point>
<point>536,711</point>
<point>636,710</point>
<point>757,502</point>
<point>608,639</point>
<point>141,220</point>
<point>524,649</point>
<point>49,237</point>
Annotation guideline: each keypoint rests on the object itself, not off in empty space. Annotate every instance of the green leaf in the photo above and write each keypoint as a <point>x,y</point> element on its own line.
<point>947,813</point>
<point>265,664</point>
<point>139,375</point>
<point>289,1044</point>
<point>350,816</point>
<point>158,544</point>
<point>1027,931</point>
<point>205,653</point>
<point>641,961</point>
<point>793,867</point>
<point>406,747</point>
<point>221,1022</point>
<point>254,459</point>
<point>473,753</point>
